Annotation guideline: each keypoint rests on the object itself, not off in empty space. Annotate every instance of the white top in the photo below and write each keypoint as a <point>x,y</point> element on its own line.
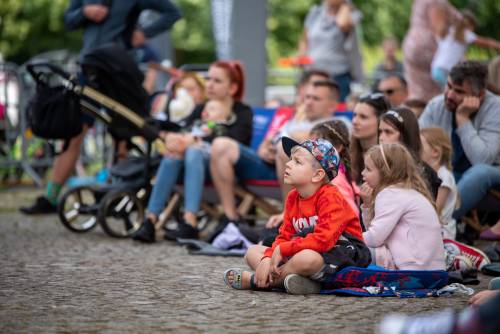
<point>449,224</point>
<point>450,51</point>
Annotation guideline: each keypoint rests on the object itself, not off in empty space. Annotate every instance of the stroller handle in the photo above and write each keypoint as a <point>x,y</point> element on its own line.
<point>34,71</point>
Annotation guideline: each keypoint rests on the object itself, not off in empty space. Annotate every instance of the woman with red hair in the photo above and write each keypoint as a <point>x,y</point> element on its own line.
<point>225,84</point>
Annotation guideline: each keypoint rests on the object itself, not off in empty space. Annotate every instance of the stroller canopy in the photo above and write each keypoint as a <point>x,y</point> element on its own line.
<point>112,71</point>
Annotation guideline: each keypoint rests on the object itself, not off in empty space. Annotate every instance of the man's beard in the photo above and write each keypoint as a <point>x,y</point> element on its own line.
<point>451,106</point>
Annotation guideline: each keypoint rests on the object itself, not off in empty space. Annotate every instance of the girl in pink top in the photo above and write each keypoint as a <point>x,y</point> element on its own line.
<point>403,227</point>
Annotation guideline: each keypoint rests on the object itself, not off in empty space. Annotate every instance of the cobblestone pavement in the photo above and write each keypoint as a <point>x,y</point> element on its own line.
<point>53,280</point>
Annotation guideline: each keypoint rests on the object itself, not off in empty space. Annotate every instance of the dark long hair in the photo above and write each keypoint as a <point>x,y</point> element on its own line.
<point>406,123</point>
<point>379,106</point>
<point>336,132</point>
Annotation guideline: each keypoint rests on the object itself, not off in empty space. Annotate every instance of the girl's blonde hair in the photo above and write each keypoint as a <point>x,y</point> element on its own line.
<point>439,140</point>
<point>396,167</point>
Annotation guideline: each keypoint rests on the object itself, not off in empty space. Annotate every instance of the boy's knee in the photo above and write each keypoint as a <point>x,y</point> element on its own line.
<point>309,260</point>
<point>254,250</point>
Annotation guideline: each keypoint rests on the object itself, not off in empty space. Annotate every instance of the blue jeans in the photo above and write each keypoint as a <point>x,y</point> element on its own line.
<point>251,167</point>
<point>473,185</point>
<point>344,82</point>
<point>195,166</point>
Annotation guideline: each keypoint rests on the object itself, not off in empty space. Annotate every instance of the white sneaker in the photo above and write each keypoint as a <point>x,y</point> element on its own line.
<point>300,285</point>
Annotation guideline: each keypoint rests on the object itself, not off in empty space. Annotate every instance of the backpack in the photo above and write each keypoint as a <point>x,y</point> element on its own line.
<point>54,113</point>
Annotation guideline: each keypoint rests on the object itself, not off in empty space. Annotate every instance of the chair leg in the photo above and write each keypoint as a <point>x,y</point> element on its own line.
<point>172,203</point>
<point>249,200</point>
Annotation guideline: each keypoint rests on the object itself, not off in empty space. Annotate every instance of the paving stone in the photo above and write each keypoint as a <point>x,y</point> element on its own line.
<point>53,280</point>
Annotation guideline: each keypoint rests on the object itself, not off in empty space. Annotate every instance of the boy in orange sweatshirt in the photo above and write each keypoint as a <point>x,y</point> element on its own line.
<point>320,232</point>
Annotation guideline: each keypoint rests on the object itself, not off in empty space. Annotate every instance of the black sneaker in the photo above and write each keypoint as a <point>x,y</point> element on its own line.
<point>183,230</point>
<point>41,206</point>
<point>145,233</point>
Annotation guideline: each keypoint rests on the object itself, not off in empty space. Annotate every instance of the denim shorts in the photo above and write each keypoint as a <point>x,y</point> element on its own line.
<point>251,167</point>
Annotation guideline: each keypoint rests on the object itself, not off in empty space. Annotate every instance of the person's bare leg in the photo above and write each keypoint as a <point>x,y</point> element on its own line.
<point>496,228</point>
<point>281,160</point>
<point>253,256</point>
<point>64,163</point>
<point>224,154</point>
<point>305,263</point>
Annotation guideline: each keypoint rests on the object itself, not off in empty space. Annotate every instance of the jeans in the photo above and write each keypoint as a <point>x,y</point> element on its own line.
<point>251,167</point>
<point>473,185</point>
<point>195,166</point>
<point>344,82</point>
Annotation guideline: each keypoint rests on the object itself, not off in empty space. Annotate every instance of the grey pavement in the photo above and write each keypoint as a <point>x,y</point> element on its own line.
<point>53,280</point>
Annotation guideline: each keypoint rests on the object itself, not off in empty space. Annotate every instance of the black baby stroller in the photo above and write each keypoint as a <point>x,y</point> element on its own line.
<point>113,93</point>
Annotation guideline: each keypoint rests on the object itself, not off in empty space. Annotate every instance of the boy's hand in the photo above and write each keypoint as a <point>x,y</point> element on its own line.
<point>262,273</point>
<point>469,105</point>
<point>275,262</point>
<point>96,13</point>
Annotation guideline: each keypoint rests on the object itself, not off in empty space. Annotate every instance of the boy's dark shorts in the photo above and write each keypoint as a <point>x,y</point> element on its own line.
<point>349,251</point>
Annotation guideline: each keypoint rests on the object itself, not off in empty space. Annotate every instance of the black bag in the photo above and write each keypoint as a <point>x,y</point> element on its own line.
<point>54,113</point>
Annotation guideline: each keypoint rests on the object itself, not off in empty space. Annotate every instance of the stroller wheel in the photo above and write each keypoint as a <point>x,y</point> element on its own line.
<point>77,209</point>
<point>121,213</point>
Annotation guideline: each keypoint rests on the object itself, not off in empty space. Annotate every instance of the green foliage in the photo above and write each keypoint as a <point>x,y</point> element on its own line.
<point>31,27</point>
<point>28,27</point>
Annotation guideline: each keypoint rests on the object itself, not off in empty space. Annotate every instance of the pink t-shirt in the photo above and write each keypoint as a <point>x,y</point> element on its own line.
<point>405,231</point>
<point>348,191</point>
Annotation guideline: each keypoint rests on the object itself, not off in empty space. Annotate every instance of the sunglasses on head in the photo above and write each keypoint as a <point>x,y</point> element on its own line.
<point>372,96</point>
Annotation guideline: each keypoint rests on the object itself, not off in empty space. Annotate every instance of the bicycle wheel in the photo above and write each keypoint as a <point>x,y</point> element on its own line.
<point>77,209</point>
<point>121,213</point>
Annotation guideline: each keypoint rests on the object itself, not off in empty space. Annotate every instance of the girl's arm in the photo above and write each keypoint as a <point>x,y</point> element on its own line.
<point>486,42</point>
<point>441,197</point>
<point>388,211</point>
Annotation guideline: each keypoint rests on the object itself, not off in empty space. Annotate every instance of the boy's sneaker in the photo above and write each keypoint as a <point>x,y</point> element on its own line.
<point>41,206</point>
<point>183,230</point>
<point>300,285</point>
<point>145,233</point>
<point>476,256</point>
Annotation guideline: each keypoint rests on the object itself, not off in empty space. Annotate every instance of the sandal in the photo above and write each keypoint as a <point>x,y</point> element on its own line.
<point>237,282</point>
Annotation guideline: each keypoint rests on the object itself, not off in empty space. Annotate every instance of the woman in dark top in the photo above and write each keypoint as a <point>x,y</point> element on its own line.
<point>401,125</point>
<point>225,84</point>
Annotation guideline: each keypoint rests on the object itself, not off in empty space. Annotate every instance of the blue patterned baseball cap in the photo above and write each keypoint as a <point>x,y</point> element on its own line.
<point>322,150</point>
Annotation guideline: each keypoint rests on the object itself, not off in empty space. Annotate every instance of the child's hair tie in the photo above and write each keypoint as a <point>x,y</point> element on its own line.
<point>383,157</point>
<point>335,132</point>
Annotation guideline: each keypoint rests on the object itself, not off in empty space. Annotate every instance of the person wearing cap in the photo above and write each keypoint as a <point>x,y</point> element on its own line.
<point>318,227</point>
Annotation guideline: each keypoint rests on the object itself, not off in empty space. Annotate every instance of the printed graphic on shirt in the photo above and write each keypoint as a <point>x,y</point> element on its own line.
<point>303,226</point>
